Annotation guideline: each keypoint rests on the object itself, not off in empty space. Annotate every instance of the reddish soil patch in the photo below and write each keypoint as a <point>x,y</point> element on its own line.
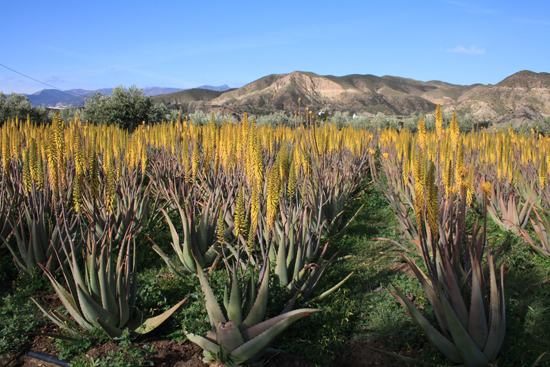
<point>168,354</point>
<point>178,354</point>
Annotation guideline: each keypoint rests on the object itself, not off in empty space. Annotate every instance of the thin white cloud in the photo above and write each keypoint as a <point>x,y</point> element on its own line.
<point>534,21</point>
<point>55,79</point>
<point>467,51</point>
<point>470,8</point>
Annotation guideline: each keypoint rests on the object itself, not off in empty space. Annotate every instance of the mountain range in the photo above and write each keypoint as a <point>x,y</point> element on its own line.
<point>522,96</point>
<point>77,97</point>
<point>525,94</point>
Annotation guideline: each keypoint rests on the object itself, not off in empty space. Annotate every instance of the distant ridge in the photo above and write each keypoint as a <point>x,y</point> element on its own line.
<point>77,97</point>
<point>525,92</point>
<point>186,96</point>
<point>221,88</point>
<point>390,95</point>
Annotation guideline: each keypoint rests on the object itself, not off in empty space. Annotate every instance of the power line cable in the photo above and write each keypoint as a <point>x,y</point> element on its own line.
<point>41,82</point>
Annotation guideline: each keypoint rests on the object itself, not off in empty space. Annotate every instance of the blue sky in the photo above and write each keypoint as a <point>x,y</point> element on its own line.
<point>184,44</point>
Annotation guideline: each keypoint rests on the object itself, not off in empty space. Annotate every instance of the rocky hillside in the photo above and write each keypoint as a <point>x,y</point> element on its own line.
<point>387,94</point>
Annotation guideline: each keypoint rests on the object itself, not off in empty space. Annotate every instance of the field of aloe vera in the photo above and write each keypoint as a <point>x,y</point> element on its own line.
<point>185,244</point>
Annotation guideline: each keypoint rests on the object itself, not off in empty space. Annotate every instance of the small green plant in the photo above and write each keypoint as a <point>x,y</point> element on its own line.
<point>18,314</point>
<point>127,355</point>
<point>69,349</point>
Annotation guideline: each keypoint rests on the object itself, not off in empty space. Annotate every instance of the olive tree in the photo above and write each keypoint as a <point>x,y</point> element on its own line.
<point>126,107</point>
<point>17,105</point>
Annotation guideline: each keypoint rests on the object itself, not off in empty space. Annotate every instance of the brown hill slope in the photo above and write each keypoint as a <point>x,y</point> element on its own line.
<point>369,93</point>
<point>186,96</point>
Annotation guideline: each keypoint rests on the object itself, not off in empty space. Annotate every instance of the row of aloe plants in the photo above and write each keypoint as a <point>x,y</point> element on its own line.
<point>75,198</point>
<point>432,180</point>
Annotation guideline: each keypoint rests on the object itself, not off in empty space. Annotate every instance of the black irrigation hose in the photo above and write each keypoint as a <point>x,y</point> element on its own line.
<point>17,355</point>
<point>47,358</point>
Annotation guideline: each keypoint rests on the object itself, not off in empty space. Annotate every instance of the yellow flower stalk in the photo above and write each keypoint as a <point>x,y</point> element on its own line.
<point>6,155</point>
<point>27,180</point>
<point>542,173</point>
<point>455,132</point>
<point>94,171</point>
<point>433,203</point>
<point>254,210</point>
<point>470,192</point>
<point>459,165</point>
<point>143,159</point>
<point>419,196</point>
<point>292,180</point>
<point>422,133</point>
<point>439,122</point>
<point>52,166</point>
<point>273,196</point>
<point>195,161</point>
<point>240,215</point>
<point>33,160</point>
<point>110,179</point>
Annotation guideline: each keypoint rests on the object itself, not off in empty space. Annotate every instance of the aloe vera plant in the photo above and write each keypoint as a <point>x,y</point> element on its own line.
<point>199,244</point>
<point>542,229</point>
<point>104,293</point>
<point>508,210</point>
<point>298,255</point>
<point>36,233</point>
<point>134,208</point>
<point>236,339</point>
<point>471,316</point>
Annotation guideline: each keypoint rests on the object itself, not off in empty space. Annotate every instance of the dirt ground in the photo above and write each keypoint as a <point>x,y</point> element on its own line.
<point>186,354</point>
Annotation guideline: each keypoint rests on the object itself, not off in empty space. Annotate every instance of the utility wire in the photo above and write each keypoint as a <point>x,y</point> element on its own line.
<point>49,85</point>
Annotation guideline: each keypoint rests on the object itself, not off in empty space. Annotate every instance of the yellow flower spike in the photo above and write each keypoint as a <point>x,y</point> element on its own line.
<point>239,217</point>
<point>195,161</point>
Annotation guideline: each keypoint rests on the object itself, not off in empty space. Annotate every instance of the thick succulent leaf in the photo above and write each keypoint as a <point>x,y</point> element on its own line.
<point>175,268</point>
<point>69,302</point>
<point>204,343</point>
<point>459,306</point>
<point>38,250</point>
<point>298,264</point>
<point>153,322</point>
<point>52,317</point>
<point>251,293</point>
<point>191,259</point>
<point>94,287</point>
<point>443,344</point>
<point>281,269</point>
<point>477,323</point>
<point>18,262</point>
<point>175,236</point>
<point>123,304</point>
<point>202,229</point>
<point>93,311</point>
<point>503,309</point>
<point>234,307</point>
<point>107,297</point>
<point>497,326</point>
<point>254,348</point>
<point>331,290</point>
<point>229,336</point>
<point>112,331</point>
<point>430,294</point>
<point>470,352</point>
<point>215,313</point>
<point>257,312</point>
<point>257,329</point>
<point>211,254</point>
